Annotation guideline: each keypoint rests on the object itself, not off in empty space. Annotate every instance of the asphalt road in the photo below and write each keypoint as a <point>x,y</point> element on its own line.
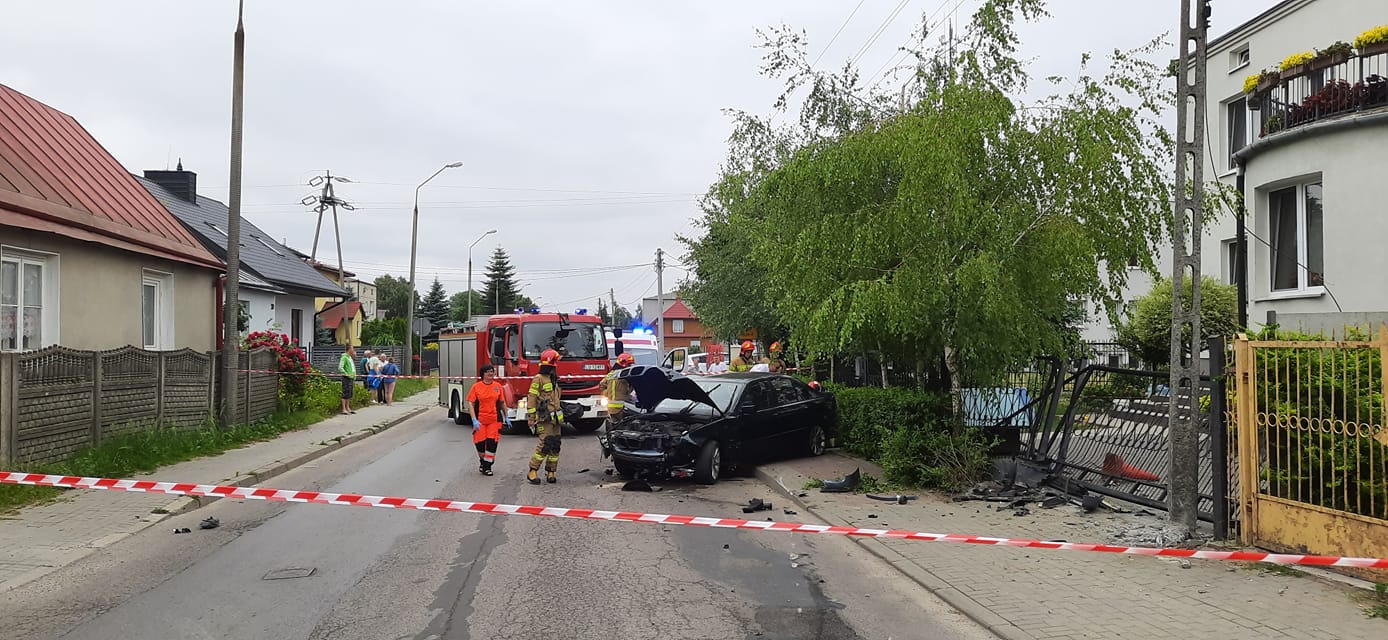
<point>392,573</point>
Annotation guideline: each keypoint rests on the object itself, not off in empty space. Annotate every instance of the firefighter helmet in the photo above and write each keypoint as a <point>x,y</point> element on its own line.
<point>775,347</point>
<point>550,356</point>
<point>814,384</point>
<point>748,346</point>
<point>626,360</point>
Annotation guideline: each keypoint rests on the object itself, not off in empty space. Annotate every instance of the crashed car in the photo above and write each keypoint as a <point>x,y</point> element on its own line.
<point>700,427</point>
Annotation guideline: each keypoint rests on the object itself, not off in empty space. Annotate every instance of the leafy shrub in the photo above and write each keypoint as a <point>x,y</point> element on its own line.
<point>867,415</point>
<point>291,361</point>
<point>931,456</point>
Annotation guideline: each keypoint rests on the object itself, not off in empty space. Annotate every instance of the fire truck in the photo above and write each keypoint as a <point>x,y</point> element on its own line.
<point>513,343</point>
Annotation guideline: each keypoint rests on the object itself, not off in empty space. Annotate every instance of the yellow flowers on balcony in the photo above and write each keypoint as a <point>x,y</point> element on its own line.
<point>1251,82</point>
<point>1297,59</point>
<point>1376,35</point>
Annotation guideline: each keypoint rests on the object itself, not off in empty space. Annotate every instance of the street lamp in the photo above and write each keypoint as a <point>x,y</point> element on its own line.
<point>414,243</point>
<point>469,272</point>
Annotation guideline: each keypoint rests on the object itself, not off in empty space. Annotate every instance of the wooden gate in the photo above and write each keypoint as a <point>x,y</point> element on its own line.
<point>1312,448</point>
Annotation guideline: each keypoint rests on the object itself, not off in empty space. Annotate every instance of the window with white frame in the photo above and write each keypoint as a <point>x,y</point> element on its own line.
<point>1229,252</point>
<point>677,326</point>
<point>28,300</point>
<point>1239,58</point>
<point>156,304</point>
<point>1296,238</point>
<point>1236,127</point>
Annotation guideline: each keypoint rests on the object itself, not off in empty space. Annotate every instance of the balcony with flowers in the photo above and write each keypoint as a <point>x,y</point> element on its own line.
<point>1314,86</point>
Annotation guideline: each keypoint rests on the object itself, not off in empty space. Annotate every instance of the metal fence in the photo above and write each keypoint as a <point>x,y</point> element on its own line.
<point>57,401</point>
<point>326,357</point>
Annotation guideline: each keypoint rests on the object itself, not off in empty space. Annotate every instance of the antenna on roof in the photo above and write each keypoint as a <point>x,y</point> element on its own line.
<point>180,165</point>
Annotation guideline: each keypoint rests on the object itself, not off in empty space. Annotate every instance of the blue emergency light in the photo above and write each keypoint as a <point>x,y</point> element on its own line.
<point>580,312</point>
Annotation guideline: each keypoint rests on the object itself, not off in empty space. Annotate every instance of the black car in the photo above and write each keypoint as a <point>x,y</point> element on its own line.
<point>701,426</point>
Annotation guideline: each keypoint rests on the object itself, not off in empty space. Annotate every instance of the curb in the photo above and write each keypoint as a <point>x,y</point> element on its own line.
<point>186,504</point>
<point>980,614</point>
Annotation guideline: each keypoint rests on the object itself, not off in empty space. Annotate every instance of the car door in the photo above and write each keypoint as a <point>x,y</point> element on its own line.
<point>754,418</point>
<point>788,416</point>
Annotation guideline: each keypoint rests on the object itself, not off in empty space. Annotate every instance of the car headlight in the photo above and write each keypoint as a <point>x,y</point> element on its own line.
<point>602,402</point>
<point>520,405</point>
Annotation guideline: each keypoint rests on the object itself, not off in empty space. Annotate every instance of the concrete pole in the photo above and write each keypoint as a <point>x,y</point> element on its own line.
<point>231,307</point>
<point>414,245</point>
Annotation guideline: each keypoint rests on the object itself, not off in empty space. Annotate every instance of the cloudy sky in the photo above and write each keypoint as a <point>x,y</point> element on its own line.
<point>577,122</point>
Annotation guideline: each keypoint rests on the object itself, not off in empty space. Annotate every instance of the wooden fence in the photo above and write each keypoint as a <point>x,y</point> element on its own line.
<point>58,401</point>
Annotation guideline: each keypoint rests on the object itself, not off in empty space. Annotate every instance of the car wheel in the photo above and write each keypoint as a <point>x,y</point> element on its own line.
<point>710,463</point>
<point>459,416</point>
<point>818,441</point>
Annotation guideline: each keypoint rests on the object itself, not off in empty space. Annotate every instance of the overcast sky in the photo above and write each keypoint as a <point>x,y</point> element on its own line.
<point>578,123</point>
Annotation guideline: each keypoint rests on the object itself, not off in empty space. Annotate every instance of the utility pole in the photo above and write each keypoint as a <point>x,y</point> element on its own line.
<point>660,301</point>
<point>612,295</point>
<point>231,306</point>
<point>321,203</point>
<point>1185,318</point>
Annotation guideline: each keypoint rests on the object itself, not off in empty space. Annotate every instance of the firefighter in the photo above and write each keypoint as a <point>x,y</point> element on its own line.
<point>488,402</point>
<point>775,363</point>
<point>743,361</point>
<point>617,391</point>
<point>545,417</point>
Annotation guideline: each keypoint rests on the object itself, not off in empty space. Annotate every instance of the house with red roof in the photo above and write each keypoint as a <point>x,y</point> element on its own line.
<point>681,326</point>
<point>88,258</point>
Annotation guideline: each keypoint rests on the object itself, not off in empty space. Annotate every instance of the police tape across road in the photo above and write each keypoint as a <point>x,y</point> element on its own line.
<point>357,500</point>
<point>592,376</point>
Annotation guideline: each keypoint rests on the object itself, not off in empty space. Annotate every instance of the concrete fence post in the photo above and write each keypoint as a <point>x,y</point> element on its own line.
<point>96,398</point>
<point>160,390</point>
<point>9,406</point>
<point>246,415</point>
<point>212,408</point>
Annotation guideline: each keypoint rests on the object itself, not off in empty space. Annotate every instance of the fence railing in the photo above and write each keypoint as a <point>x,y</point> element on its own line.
<point>326,357</point>
<point>58,401</point>
<point>1321,90</point>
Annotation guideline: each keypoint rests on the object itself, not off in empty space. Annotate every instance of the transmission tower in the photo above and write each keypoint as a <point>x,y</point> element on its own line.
<point>321,203</point>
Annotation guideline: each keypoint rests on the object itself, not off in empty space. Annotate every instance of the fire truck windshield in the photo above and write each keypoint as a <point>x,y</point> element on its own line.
<point>578,341</point>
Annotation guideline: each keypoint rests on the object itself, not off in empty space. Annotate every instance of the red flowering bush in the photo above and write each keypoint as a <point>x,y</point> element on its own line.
<point>290,358</point>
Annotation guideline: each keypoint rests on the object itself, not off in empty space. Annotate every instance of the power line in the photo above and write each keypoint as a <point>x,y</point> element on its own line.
<point>482,188</point>
<point>896,59</point>
<point>880,30</point>
<point>836,34</point>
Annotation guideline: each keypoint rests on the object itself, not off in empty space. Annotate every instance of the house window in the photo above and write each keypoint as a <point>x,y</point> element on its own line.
<point>296,323</point>
<point>1295,223</point>
<point>1237,122</point>
<point>157,310</point>
<point>1238,59</point>
<point>1134,262</point>
<point>677,326</point>
<point>28,299</point>
<point>1229,251</point>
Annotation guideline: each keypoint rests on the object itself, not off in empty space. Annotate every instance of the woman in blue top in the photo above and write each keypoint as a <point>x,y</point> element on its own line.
<point>388,372</point>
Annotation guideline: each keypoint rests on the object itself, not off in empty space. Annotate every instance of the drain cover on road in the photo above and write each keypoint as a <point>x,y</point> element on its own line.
<point>287,574</point>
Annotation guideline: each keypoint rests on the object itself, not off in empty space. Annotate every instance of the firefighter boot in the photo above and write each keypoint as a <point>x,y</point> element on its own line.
<point>550,477</point>
<point>533,476</point>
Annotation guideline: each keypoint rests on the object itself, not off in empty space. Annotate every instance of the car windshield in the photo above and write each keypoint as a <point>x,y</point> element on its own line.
<point>577,341</point>
<point>720,392</point>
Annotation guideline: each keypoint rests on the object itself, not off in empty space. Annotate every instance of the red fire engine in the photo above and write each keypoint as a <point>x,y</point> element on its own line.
<point>513,343</point>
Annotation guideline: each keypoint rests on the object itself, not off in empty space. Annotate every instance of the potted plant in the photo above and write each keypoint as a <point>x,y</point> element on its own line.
<point>1257,84</point>
<point>1372,42</point>
<point>1272,125</point>
<point>1331,55</point>
<point>1296,64</point>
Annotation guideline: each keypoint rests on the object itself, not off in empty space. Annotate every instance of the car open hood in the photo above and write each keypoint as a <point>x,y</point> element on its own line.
<point>654,385</point>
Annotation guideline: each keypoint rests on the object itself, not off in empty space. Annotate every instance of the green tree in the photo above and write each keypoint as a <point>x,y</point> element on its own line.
<point>393,295</point>
<point>386,331</point>
<point>621,317</point>
<point>458,307</point>
<point>501,291</point>
<point>963,222</point>
<point>435,305</point>
<point>1146,332</point>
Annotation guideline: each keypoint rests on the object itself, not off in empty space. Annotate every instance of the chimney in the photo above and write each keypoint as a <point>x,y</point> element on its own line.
<point>182,184</point>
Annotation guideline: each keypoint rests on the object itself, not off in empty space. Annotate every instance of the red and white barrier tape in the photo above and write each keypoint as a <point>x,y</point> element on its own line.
<point>596,376</point>
<point>357,500</point>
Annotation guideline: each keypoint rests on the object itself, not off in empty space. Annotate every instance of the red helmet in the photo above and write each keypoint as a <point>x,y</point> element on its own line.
<point>775,347</point>
<point>748,346</point>
<point>814,384</point>
<point>550,356</point>
<point>626,360</point>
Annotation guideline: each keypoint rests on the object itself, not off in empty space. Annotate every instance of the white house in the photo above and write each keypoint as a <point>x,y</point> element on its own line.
<point>1312,145</point>
<point>277,288</point>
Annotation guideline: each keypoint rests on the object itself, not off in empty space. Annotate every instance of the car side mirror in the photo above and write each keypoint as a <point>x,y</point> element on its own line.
<point>747,407</point>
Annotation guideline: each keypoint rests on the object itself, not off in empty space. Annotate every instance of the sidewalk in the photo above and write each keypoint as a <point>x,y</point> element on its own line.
<point>44,538</point>
<point>1034,594</point>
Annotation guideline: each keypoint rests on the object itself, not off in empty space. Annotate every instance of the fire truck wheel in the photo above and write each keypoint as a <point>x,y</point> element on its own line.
<point>459,416</point>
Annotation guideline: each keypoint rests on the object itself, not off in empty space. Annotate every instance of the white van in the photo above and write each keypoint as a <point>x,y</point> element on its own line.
<point>640,343</point>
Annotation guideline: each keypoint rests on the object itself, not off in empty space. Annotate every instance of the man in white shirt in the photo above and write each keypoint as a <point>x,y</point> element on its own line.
<point>373,369</point>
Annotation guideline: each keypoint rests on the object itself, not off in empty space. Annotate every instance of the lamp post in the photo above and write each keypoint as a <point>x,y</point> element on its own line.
<point>469,272</point>
<point>414,244</point>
